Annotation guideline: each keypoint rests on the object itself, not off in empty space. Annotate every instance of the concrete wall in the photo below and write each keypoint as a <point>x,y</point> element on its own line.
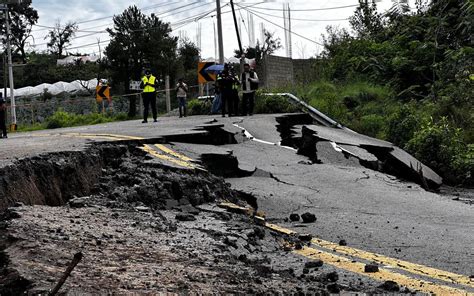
<point>278,71</point>
<point>281,71</point>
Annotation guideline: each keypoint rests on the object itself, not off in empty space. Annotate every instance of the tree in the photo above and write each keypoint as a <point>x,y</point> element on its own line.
<point>188,54</point>
<point>60,37</point>
<point>366,21</point>
<point>270,45</point>
<point>139,41</point>
<point>22,19</point>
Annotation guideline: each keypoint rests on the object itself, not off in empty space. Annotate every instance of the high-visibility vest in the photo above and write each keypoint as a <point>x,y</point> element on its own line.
<point>151,80</point>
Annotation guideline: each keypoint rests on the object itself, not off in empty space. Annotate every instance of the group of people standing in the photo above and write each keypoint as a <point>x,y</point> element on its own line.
<point>228,85</point>
<point>227,90</point>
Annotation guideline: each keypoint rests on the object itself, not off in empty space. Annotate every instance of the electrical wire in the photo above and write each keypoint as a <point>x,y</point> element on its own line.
<point>309,9</point>
<point>292,32</point>
<point>108,24</point>
<point>302,19</point>
<point>142,9</point>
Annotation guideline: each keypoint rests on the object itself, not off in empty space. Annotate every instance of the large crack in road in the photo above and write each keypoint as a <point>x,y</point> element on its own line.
<point>145,213</point>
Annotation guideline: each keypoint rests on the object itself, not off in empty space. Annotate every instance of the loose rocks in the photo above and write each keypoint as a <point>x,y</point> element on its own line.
<point>294,217</point>
<point>308,218</point>
<point>390,286</point>
<point>370,268</point>
<point>332,277</point>
<point>313,264</point>
<point>185,217</point>
<point>305,237</point>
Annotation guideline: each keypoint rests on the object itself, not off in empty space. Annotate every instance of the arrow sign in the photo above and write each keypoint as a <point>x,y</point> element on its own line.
<point>203,76</point>
<point>103,92</point>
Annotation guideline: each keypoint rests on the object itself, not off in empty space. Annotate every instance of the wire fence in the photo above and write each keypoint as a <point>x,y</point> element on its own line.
<point>31,111</point>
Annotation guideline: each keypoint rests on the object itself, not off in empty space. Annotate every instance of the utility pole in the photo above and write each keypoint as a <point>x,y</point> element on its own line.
<point>219,32</point>
<point>242,55</point>
<point>4,7</point>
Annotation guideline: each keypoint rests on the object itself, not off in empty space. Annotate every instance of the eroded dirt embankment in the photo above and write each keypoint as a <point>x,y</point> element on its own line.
<point>119,172</point>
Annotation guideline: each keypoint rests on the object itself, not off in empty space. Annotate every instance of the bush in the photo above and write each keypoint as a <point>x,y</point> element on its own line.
<point>372,125</point>
<point>59,119</point>
<point>441,146</point>
<point>199,107</point>
<point>274,104</point>
<point>402,125</point>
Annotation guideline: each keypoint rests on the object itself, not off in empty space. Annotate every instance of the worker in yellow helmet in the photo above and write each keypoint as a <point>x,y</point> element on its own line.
<point>149,95</point>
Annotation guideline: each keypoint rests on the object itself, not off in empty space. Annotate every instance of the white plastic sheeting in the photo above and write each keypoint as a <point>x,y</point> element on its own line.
<point>76,87</point>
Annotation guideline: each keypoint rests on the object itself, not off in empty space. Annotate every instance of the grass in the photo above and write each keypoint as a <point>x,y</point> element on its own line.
<point>360,105</point>
<point>62,119</point>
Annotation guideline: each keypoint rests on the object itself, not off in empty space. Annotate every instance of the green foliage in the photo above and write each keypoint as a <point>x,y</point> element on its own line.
<point>199,107</point>
<point>273,104</point>
<point>441,146</point>
<point>139,41</point>
<point>424,59</point>
<point>23,16</point>
<point>268,46</point>
<point>60,37</point>
<point>402,125</point>
<point>64,119</point>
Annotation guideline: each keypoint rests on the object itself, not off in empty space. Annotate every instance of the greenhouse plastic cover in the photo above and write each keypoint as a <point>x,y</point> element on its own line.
<point>77,87</point>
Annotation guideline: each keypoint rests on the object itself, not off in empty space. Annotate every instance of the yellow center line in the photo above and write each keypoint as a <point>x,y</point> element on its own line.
<point>382,275</point>
<point>108,136</point>
<point>397,263</point>
<point>151,151</point>
<point>384,260</point>
<point>174,153</point>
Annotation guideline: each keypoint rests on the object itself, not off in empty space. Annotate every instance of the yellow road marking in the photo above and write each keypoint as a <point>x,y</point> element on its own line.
<point>382,275</point>
<point>108,136</point>
<point>181,163</point>
<point>400,264</point>
<point>174,153</point>
<point>384,260</point>
<point>177,158</point>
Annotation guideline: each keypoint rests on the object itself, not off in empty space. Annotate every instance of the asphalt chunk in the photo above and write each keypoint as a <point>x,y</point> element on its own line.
<point>308,218</point>
<point>371,268</point>
<point>314,264</point>
<point>294,217</point>
<point>185,217</point>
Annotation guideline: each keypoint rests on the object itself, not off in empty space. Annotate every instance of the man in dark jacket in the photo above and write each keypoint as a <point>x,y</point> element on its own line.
<point>225,82</point>
<point>249,85</point>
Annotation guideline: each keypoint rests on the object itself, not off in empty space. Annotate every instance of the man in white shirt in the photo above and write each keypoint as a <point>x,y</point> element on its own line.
<point>249,80</point>
<point>181,94</point>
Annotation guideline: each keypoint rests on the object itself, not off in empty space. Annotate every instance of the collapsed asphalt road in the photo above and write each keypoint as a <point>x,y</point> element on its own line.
<point>130,191</point>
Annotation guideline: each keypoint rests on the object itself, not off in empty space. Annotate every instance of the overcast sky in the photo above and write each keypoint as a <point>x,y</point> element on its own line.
<point>94,16</point>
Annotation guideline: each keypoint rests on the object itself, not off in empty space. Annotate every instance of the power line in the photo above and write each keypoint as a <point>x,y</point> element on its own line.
<point>292,32</point>
<point>303,19</point>
<point>142,9</point>
<point>310,9</point>
<point>150,7</point>
<point>88,45</point>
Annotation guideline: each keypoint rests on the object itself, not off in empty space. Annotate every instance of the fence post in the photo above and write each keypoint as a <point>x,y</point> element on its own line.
<point>168,94</point>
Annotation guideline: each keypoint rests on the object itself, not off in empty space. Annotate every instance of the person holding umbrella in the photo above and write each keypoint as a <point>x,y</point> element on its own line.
<point>217,102</point>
